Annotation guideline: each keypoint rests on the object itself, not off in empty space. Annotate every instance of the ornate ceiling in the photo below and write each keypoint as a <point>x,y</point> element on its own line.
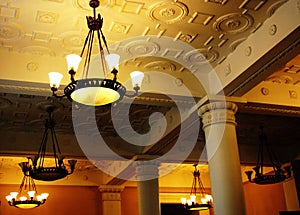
<point>250,48</point>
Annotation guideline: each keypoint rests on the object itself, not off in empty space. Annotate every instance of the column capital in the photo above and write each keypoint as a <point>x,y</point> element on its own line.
<point>111,192</point>
<point>218,112</point>
<point>146,170</point>
<point>110,188</point>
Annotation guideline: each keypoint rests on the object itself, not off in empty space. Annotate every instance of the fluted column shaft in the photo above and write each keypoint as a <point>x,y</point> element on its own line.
<point>148,187</point>
<point>223,157</point>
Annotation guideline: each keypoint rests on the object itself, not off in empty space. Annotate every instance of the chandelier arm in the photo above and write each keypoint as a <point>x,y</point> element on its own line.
<point>89,54</point>
<point>201,186</point>
<point>22,184</point>
<point>86,41</point>
<point>42,149</point>
<point>33,185</point>
<point>104,40</point>
<point>272,158</point>
<point>136,92</point>
<point>55,95</point>
<point>260,156</point>
<point>53,137</point>
<point>101,54</point>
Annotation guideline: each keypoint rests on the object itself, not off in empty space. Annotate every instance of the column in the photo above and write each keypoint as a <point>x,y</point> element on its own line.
<point>223,157</point>
<point>148,187</point>
<point>111,199</point>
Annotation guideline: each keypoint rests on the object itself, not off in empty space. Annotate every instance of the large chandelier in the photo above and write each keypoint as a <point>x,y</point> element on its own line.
<point>196,194</point>
<point>27,197</point>
<point>38,170</point>
<point>94,91</point>
<point>278,174</point>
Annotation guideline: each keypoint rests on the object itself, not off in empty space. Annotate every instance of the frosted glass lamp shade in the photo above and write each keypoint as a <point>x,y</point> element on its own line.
<point>193,198</point>
<point>73,61</point>
<point>8,198</point>
<point>55,78</point>
<point>23,198</point>
<point>183,201</point>
<point>14,195</point>
<point>137,78</point>
<point>39,198</point>
<point>112,61</point>
<point>31,193</point>
<point>44,195</point>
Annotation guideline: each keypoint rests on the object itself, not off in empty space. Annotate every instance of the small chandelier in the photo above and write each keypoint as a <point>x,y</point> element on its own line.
<point>27,197</point>
<point>205,199</point>
<point>38,170</point>
<point>279,174</point>
<point>94,91</point>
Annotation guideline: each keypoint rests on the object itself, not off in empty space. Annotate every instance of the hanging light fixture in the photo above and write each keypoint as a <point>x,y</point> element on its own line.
<point>94,91</point>
<point>38,170</point>
<point>27,197</point>
<point>278,174</point>
<point>197,194</point>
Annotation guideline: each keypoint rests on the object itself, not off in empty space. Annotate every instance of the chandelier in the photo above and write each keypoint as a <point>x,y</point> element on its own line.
<point>94,91</point>
<point>278,175</point>
<point>38,170</point>
<point>27,197</point>
<point>205,199</point>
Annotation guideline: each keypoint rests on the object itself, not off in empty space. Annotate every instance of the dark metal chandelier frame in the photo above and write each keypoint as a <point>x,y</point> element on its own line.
<point>198,188</point>
<point>278,174</point>
<point>112,85</point>
<point>38,170</point>
<point>27,184</point>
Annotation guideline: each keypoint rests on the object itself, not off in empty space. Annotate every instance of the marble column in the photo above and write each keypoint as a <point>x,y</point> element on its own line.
<point>223,157</point>
<point>148,187</point>
<point>111,199</point>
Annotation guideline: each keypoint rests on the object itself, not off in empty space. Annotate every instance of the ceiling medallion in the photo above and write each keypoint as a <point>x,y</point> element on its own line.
<point>233,23</point>
<point>168,12</point>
